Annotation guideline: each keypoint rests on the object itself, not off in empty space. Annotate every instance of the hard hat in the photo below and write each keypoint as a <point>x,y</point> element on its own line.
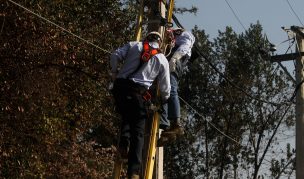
<point>154,36</point>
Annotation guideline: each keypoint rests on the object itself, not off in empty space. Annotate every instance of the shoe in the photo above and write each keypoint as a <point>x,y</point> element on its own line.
<point>134,176</point>
<point>174,129</point>
<point>165,140</point>
<point>163,127</point>
<point>170,135</point>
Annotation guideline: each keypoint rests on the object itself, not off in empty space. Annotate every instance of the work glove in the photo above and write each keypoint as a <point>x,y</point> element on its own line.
<point>113,77</point>
<point>174,60</point>
<point>172,65</point>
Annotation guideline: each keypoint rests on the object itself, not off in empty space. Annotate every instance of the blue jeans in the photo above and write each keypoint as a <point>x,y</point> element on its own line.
<point>172,108</point>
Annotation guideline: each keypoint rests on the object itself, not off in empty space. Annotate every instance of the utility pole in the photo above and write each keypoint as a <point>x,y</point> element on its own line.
<point>153,156</point>
<point>299,105</point>
<point>299,97</point>
<point>159,167</point>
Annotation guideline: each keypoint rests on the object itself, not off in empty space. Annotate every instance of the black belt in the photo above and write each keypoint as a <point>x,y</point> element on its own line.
<point>130,85</point>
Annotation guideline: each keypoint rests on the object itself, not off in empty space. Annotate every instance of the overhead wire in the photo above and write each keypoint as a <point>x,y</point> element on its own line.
<point>234,140</point>
<point>221,74</point>
<point>177,22</point>
<point>283,67</point>
<point>294,12</point>
<point>231,83</point>
<point>238,19</point>
<point>202,55</point>
<point>104,51</point>
<point>63,29</point>
<point>235,15</point>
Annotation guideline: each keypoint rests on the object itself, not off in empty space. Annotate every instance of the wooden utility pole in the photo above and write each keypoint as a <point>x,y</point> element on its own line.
<point>299,97</point>
<point>159,167</point>
<point>153,156</point>
<point>299,105</point>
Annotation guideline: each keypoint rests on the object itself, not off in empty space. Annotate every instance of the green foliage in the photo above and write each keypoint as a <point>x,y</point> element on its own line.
<point>226,89</point>
<point>56,113</point>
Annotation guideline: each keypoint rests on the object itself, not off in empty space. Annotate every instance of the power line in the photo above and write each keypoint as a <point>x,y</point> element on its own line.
<point>107,52</point>
<point>283,67</point>
<point>232,139</point>
<point>110,52</point>
<point>221,74</point>
<point>238,19</point>
<point>63,29</point>
<point>294,12</point>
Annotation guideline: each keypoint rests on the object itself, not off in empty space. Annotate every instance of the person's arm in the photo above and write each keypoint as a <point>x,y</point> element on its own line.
<point>117,56</point>
<point>185,42</point>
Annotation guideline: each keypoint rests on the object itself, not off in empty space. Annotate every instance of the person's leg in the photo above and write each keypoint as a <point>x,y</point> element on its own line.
<point>173,101</point>
<point>119,95</point>
<point>169,135</point>
<point>137,127</point>
<point>172,108</point>
<point>164,122</point>
<point>124,140</point>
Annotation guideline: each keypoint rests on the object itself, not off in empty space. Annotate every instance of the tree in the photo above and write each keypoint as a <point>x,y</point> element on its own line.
<point>54,86</point>
<point>241,95</point>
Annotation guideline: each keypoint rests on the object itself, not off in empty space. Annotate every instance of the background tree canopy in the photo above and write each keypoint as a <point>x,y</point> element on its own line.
<point>57,117</point>
<point>54,87</point>
<point>243,97</point>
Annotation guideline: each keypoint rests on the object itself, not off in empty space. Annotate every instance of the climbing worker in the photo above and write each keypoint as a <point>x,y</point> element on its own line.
<point>170,119</point>
<point>143,63</point>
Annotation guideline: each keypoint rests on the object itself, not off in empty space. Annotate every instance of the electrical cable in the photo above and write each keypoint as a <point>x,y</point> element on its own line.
<point>278,105</point>
<point>238,19</point>
<point>63,29</point>
<point>294,12</point>
<point>177,22</point>
<point>284,68</point>
<point>210,122</point>
<point>232,139</point>
<point>220,73</point>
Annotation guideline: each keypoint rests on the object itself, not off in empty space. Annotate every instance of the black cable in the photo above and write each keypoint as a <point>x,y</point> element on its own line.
<point>230,82</point>
<point>238,19</point>
<point>294,12</point>
<point>196,48</point>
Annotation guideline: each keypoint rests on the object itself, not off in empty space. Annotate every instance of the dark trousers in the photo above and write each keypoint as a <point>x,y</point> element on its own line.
<point>131,106</point>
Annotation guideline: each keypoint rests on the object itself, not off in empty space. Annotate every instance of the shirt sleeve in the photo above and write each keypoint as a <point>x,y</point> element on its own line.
<point>118,55</point>
<point>185,41</point>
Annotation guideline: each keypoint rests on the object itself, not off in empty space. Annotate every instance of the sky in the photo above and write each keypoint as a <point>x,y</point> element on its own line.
<point>214,15</point>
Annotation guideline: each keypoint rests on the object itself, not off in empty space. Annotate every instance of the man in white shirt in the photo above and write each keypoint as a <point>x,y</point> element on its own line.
<point>181,53</point>
<point>142,64</point>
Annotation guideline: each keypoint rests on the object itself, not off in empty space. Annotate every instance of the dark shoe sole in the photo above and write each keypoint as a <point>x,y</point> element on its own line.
<point>166,140</point>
